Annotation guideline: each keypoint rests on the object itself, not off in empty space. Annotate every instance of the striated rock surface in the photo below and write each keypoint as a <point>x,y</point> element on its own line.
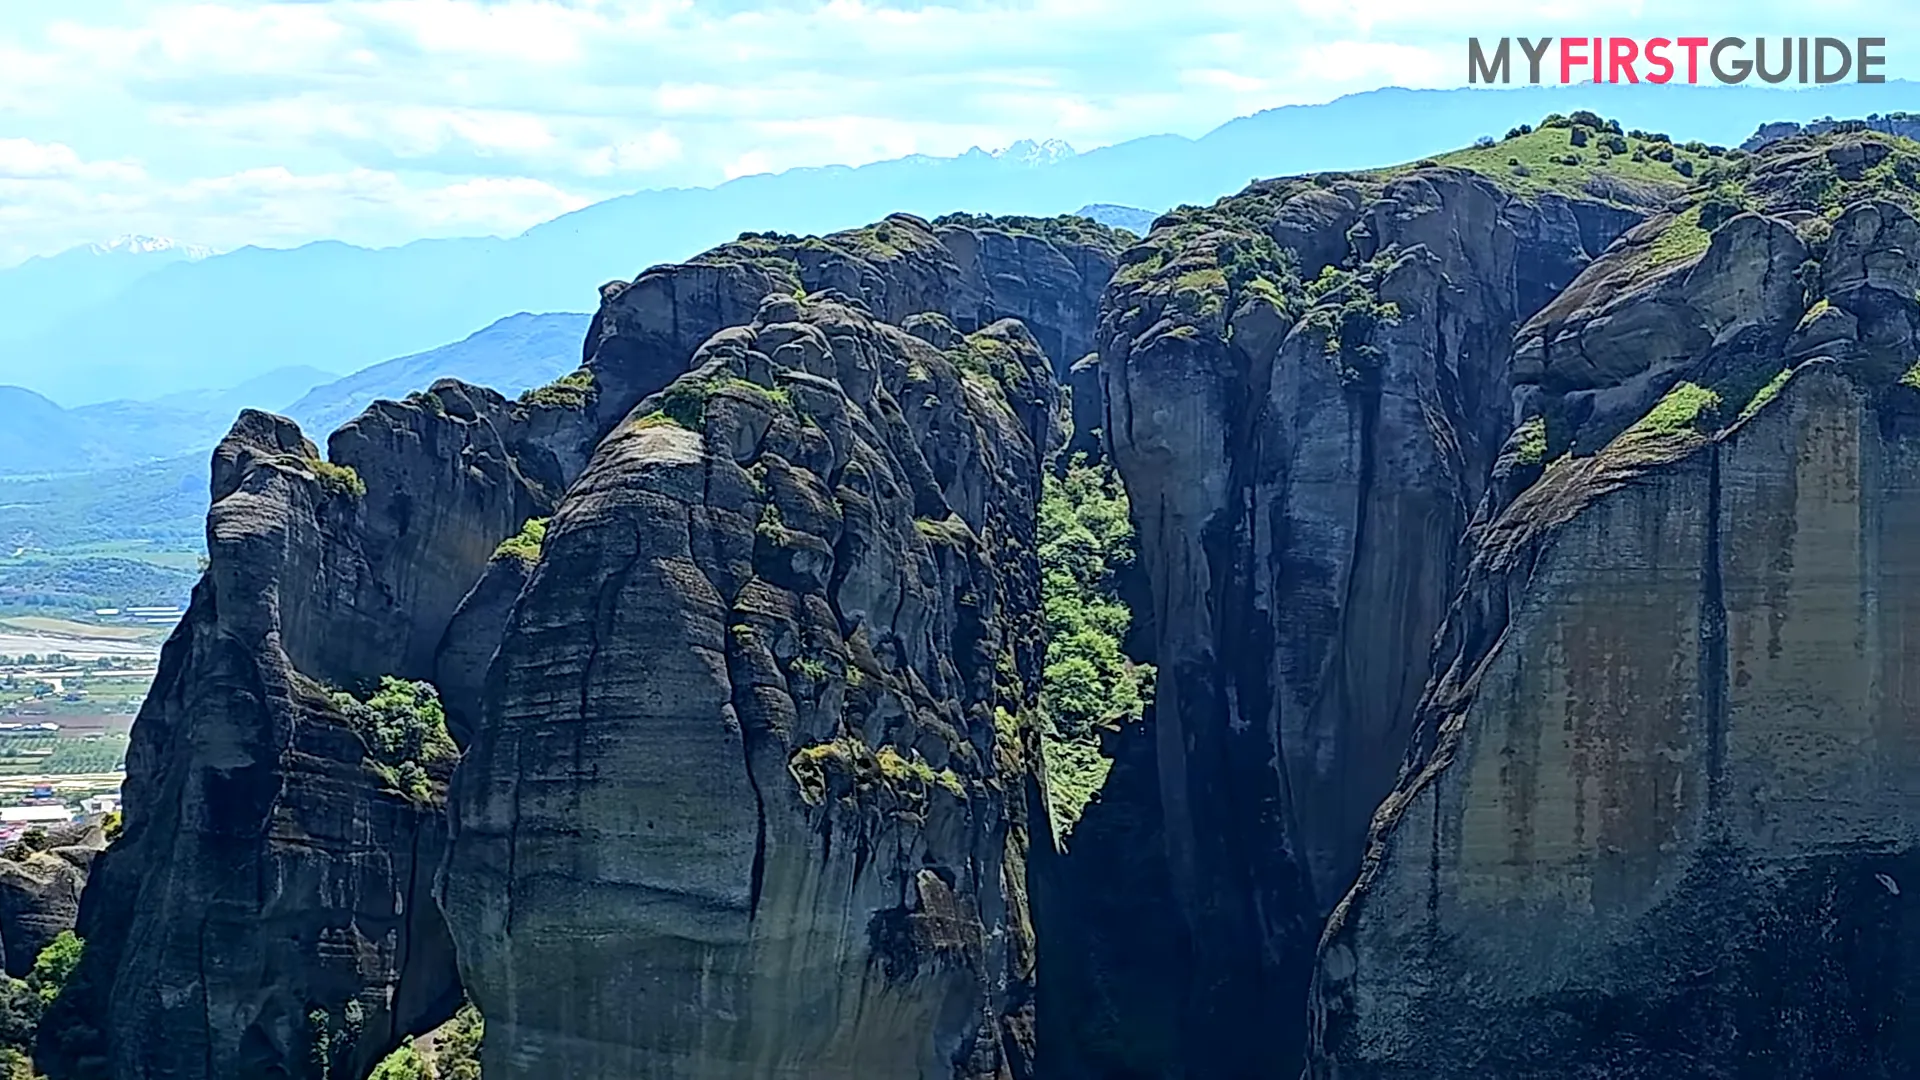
<point>1304,390</point>
<point>274,883</point>
<point>1561,507</point>
<point>1658,816</point>
<point>271,886</point>
<point>748,794</point>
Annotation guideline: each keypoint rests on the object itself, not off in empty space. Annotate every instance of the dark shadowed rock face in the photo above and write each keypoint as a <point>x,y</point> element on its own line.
<point>748,793</point>
<point>1658,817</point>
<point>40,896</point>
<point>1046,272</point>
<point>266,873</point>
<point>1304,392</point>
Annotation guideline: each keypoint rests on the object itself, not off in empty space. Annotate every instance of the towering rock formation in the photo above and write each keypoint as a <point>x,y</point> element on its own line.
<point>270,911</point>
<point>272,890</point>
<point>749,791</point>
<point>1304,392</point>
<point>1559,506</point>
<point>1659,816</point>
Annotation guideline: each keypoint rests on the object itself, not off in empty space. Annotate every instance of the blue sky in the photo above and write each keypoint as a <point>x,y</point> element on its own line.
<point>380,121</point>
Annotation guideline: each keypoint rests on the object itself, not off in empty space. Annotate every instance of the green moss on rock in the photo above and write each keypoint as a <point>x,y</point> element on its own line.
<point>1681,409</point>
<point>845,767</point>
<point>1681,240</point>
<point>684,402</point>
<point>1768,392</point>
<point>1531,441</point>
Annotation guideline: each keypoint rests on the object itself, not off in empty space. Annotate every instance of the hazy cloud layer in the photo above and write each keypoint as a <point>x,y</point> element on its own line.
<point>380,121</point>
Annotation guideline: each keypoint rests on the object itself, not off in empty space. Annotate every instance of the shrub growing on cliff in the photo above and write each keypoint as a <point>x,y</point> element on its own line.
<point>570,391</point>
<point>524,545</point>
<point>405,730</point>
<point>55,966</point>
<point>26,1004</point>
<point>1530,441</point>
<point>1723,202</point>
<point>338,479</point>
<point>456,1047</point>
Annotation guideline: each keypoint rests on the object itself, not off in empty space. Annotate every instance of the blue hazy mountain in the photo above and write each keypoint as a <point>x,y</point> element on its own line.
<point>517,353</point>
<point>38,436</point>
<point>222,320</point>
<point>1131,218</point>
<point>44,291</point>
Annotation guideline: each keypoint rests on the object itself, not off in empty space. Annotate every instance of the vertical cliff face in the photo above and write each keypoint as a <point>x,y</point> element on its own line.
<point>1047,272</point>
<point>270,911</point>
<point>272,888</point>
<point>1305,393</point>
<point>749,791</point>
<point>1658,816</point>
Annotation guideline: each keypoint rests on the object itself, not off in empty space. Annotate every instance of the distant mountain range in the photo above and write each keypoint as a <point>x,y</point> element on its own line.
<point>515,354</point>
<point>41,293</point>
<point>1138,222</point>
<point>229,318</point>
<point>37,436</point>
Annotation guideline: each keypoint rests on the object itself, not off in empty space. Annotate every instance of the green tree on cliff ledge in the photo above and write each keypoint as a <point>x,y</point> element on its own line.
<point>406,729</point>
<point>1086,542</point>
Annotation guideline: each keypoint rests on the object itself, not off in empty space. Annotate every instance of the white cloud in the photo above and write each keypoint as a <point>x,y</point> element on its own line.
<point>649,151</point>
<point>24,159</point>
<point>519,30</point>
<point>273,206</point>
<point>393,119</point>
<point>751,163</point>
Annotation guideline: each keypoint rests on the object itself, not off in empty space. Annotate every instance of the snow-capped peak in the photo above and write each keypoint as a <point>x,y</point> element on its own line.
<point>149,245</point>
<point>1029,152</point>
